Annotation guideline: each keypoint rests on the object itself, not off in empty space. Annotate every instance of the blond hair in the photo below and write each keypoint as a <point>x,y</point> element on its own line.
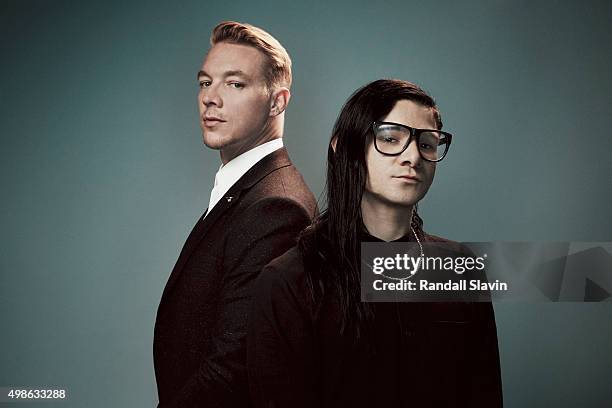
<point>278,72</point>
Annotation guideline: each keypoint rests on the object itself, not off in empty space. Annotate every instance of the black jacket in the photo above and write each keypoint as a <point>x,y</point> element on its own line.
<point>416,355</point>
<point>200,331</point>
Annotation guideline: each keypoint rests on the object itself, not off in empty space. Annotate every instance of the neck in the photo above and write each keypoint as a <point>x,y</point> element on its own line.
<point>272,130</point>
<point>385,222</point>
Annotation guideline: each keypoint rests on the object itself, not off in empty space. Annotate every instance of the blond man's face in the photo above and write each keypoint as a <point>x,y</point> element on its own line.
<point>234,101</point>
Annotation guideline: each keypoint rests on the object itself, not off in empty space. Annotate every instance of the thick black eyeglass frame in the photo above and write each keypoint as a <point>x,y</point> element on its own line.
<point>414,132</point>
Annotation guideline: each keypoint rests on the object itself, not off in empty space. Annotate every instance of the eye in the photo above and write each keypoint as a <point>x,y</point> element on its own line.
<point>387,139</point>
<point>204,83</point>
<point>426,146</point>
<point>429,141</point>
<point>237,85</point>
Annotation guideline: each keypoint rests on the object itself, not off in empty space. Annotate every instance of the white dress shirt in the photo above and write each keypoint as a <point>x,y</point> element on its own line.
<point>231,172</point>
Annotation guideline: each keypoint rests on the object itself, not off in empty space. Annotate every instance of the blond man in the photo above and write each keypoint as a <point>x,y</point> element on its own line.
<point>258,204</point>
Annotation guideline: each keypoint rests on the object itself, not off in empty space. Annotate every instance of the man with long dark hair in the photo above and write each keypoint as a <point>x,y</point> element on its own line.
<point>258,205</point>
<point>312,342</point>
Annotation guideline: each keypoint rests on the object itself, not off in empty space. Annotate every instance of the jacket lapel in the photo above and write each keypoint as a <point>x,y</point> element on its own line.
<point>265,166</point>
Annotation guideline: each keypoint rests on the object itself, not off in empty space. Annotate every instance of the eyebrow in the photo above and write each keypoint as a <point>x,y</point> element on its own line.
<point>235,72</point>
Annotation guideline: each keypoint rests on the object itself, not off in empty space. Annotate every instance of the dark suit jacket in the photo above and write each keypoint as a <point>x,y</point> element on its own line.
<point>200,331</point>
<point>416,355</point>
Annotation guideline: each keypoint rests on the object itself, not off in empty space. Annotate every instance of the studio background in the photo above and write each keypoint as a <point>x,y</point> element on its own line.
<point>104,171</point>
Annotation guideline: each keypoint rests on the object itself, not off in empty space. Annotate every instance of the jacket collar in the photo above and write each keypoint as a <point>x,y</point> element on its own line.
<point>273,161</point>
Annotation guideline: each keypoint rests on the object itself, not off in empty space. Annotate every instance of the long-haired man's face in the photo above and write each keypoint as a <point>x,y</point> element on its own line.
<point>233,100</point>
<point>400,180</point>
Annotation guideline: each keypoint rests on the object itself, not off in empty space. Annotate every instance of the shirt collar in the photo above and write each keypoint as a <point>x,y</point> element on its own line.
<point>231,172</point>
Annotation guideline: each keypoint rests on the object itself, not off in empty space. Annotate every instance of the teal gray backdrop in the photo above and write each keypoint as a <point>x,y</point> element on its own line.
<point>104,172</point>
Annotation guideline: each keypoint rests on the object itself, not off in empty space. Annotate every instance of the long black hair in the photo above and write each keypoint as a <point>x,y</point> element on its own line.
<point>330,246</point>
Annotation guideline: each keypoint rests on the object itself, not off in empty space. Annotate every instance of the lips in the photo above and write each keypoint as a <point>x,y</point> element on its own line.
<point>210,120</point>
<point>408,178</point>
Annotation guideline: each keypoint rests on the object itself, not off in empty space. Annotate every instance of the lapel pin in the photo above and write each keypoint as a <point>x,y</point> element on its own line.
<point>229,199</point>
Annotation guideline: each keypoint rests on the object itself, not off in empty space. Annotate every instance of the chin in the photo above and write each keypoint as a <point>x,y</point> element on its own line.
<point>393,199</point>
<point>212,146</point>
<point>402,202</point>
<point>214,142</point>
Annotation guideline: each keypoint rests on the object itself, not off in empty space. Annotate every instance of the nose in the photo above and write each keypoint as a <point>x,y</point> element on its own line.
<point>210,96</point>
<point>411,156</point>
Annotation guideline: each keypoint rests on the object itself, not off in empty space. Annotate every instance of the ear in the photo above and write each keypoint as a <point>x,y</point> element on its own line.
<point>279,101</point>
<point>333,143</point>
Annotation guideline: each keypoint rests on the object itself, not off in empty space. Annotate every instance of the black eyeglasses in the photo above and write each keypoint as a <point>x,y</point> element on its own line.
<point>391,139</point>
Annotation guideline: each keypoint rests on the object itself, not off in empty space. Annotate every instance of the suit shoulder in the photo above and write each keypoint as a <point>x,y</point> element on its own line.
<point>276,206</point>
<point>435,238</point>
<point>454,246</point>
<point>284,278</point>
<point>288,267</point>
<point>285,182</point>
